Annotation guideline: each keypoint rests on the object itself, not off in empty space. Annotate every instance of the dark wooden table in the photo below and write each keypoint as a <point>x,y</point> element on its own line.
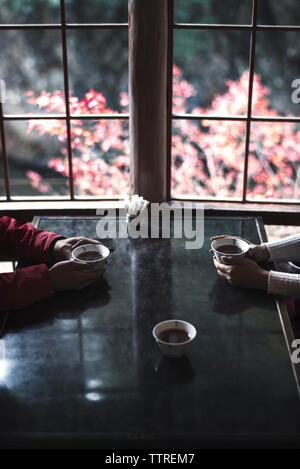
<point>82,368</point>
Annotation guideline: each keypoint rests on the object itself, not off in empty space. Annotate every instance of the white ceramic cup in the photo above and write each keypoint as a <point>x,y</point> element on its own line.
<point>229,241</point>
<point>177,349</point>
<point>96,263</point>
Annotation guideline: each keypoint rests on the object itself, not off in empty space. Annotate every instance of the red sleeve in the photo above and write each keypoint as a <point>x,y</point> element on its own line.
<point>24,287</point>
<point>25,241</point>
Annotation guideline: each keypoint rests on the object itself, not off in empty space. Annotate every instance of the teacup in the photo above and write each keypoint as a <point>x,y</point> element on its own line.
<point>94,255</point>
<point>174,336</point>
<point>229,246</point>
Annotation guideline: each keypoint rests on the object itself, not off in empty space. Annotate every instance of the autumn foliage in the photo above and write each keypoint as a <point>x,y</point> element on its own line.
<point>207,156</point>
<point>100,149</point>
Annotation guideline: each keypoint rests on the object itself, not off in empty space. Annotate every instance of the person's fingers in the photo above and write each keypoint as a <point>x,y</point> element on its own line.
<point>225,269</point>
<point>225,276</point>
<point>71,265</point>
<point>233,260</point>
<point>86,284</point>
<point>250,252</point>
<point>77,243</point>
<point>222,268</point>
<point>67,252</point>
<point>90,275</point>
<point>218,264</point>
<point>93,241</point>
<point>67,263</point>
<point>79,265</point>
<point>82,241</point>
<point>222,274</point>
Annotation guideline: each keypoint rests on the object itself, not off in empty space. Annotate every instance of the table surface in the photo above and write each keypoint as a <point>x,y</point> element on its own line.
<point>83,365</point>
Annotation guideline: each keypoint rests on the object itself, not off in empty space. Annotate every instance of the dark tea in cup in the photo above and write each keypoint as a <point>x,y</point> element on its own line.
<point>230,249</point>
<point>174,336</point>
<point>89,256</point>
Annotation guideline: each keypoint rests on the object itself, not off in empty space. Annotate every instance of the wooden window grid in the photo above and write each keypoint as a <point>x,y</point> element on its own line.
<point>63,26</point>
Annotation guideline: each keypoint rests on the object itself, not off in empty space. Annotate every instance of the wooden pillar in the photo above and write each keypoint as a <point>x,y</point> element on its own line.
<point>148,40</point>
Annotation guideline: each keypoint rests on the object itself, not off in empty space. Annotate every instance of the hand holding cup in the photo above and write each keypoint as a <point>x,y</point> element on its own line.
<point>72,275</point>
<point>255,252</point>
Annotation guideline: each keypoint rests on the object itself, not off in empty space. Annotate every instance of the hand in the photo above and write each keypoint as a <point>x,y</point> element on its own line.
<point>62,249</point>
<point>73,275</point>
<point>240,271</point>
<point>257,252</point>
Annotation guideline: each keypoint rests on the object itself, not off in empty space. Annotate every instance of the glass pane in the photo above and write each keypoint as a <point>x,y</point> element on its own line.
<point>105,73</point>
<point>100,157</point>
<point>28,11</point>
<point>33,148</point>
<point>274,161</point>
<point>213,11</point>
<point>285,12</point>
<point>277,66</point>
<point>211,72</point>
<point>208,158</point>
<point>31,65</point>
<point>97,11</point>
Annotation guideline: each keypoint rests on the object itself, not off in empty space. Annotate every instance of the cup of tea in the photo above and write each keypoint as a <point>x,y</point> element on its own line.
<point>94,255</point>
<point>229,246</point>
<point>174,336</point>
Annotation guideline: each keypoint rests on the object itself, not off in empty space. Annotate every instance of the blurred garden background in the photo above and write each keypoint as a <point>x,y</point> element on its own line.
<point>210,77</point>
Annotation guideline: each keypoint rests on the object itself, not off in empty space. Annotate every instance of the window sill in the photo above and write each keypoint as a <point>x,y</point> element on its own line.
<point>272,214</point>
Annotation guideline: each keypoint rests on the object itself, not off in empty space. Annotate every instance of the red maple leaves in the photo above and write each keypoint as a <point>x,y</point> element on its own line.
<point>207,155</point>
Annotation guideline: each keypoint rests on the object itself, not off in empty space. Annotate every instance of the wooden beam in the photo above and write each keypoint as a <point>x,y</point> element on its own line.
<point>148,40</point>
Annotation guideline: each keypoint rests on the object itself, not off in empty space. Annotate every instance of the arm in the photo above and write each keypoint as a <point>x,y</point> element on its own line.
<point>243,272</point>
<point>286,249</point>
<point>31,284</point>
<point>24,287</point>
<point>25,241</point>
<point>282,283</point>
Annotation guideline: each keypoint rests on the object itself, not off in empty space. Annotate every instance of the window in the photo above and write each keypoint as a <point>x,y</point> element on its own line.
<point>235,127</point>
<point>64,122</point>
<point>210,89</point>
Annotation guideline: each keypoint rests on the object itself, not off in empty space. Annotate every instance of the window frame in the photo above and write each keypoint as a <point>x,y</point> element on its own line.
<point>165,162</point>
<point>63,26</point>
<point>248,118</point>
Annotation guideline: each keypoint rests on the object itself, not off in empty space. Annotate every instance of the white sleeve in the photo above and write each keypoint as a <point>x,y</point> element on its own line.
<point>287,249</point>
<point>281,283</point>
